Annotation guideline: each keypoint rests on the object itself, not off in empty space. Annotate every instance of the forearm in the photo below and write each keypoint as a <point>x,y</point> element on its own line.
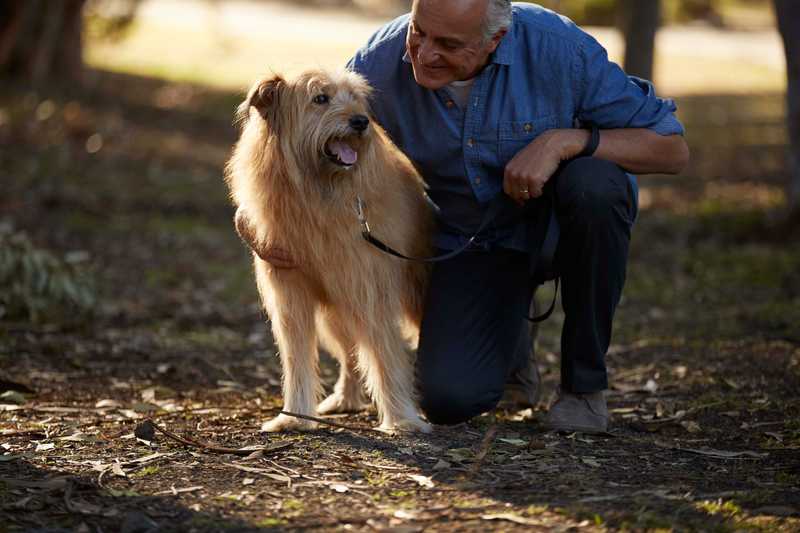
<point>639,151</point>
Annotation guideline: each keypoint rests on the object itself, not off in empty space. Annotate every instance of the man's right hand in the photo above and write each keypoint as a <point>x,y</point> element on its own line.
<point>274,255</point>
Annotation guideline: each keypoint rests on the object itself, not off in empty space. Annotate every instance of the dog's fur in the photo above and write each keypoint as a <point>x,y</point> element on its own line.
<point>298,196</point>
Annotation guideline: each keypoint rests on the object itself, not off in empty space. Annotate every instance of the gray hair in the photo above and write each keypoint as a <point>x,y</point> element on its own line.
<point>498,15</point>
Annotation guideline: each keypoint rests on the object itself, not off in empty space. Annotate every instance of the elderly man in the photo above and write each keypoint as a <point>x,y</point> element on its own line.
<point>510,110</point>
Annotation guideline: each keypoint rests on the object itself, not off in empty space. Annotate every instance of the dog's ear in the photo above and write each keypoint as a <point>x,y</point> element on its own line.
<point>264,96</point>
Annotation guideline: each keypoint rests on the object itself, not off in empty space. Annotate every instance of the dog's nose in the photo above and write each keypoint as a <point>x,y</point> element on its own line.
<point>359,122</point>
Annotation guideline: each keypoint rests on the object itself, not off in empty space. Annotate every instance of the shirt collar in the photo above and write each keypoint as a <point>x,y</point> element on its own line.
<point>503,54</point>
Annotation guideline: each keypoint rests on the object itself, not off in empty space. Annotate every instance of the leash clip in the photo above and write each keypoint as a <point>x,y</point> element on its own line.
<point>362,218</point>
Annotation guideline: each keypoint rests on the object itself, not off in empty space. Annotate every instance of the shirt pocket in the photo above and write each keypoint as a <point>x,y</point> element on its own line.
<point>515,135</point>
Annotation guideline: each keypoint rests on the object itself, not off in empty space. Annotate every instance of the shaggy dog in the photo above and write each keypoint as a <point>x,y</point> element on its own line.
<point>307,152</point>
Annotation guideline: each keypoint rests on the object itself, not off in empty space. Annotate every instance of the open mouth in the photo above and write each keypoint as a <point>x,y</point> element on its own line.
<point>339,152</point>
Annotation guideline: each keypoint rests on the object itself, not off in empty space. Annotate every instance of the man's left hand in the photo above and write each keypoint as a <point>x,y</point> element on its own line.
<point>527,173</point>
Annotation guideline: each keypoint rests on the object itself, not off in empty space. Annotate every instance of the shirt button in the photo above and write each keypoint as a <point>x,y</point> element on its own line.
<point>477,181</point>
<point>527,127</point>
<point>449,103</point>
<point>470,142</point>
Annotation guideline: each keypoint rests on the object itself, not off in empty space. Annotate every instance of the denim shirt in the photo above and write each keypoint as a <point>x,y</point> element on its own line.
<point>546,73</point>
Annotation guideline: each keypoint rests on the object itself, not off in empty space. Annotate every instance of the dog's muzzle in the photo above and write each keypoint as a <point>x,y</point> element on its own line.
<point>341,151</point>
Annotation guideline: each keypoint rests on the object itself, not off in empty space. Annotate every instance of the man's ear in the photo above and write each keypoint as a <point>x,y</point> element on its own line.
<point>264,96</point>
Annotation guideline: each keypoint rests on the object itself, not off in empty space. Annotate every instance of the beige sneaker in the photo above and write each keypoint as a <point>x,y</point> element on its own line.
<point>586,413</point>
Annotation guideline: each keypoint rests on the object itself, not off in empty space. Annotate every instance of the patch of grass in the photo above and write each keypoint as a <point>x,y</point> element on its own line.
<point>271,522</point>
<point>146,471</point>
<point>725,508</point>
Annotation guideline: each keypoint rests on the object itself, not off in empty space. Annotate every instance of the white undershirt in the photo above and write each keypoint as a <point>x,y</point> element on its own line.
<point>460,90</point>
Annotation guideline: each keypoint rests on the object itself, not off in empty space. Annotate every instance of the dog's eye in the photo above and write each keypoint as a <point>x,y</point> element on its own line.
<point>321,99</point>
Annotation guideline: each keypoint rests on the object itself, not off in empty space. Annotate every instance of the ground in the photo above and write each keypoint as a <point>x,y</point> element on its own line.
<point>125,178</point>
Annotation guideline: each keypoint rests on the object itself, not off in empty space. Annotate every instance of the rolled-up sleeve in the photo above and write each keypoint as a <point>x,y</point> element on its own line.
<point>609,98</point>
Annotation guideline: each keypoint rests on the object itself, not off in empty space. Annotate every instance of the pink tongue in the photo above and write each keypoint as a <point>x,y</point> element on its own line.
<point>347,155</point>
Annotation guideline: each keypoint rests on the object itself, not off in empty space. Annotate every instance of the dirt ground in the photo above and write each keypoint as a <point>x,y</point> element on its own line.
<point>705,365</point>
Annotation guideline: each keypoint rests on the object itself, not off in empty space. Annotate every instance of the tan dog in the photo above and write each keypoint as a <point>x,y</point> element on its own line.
<point>307,150</point>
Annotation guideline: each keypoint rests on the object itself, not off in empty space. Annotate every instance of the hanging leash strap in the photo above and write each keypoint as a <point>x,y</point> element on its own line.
<point>545,260</point>
<point>491,211</point>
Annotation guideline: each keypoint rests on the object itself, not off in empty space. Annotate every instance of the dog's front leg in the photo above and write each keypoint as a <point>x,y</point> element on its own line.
<point>291,308</point>
<point>336,337</point>
<point>387,362</point>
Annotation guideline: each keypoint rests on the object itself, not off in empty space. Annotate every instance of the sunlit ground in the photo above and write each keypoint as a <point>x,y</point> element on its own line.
<point>230,44</point>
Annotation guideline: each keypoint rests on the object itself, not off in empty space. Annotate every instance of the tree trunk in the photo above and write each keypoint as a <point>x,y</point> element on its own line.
<point>639,21</point>
<point>788,15</point>
<point>40,40</point>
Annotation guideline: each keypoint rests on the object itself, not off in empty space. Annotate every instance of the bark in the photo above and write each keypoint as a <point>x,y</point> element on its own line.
<point>639,21</point>
<point>788,15</point>
<point>40,40</point>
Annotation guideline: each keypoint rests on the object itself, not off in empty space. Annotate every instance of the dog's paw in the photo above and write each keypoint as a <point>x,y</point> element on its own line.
<point>287,423</point>
<point>339,403</point>
<point>413,425</point>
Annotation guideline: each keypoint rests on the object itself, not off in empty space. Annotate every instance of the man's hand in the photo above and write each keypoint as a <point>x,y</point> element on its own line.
<point>274,255</point>
<point>528,171</point>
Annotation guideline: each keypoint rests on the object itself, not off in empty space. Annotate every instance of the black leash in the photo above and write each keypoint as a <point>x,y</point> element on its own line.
<point>546,255</point>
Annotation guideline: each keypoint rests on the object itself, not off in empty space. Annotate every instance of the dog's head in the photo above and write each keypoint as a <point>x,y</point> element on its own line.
<point>322,117</point>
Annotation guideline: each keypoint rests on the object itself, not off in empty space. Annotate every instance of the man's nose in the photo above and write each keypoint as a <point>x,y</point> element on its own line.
<point>426,53</point>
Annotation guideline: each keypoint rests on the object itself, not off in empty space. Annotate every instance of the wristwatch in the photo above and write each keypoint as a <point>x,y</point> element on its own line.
<point>594,142</point>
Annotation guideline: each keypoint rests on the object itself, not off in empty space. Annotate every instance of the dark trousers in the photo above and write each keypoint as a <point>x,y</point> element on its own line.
<point>474,332</point>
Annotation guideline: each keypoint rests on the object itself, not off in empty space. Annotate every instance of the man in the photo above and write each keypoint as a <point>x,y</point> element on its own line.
<point>484,97</point>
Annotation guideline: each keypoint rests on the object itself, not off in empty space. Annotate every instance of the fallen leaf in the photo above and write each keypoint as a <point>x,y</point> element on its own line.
<point>248,481</point>
<point>514,442</point>
<point>691,426</point>
<point>107,404</point>
<point>424,481</point>
<point>508,517</point>
<point>77,437</point>
<point>339,488</point>
<point>403,514</point>
<point>441,465</point>
<point>460,455</point>
<point>13,396</point>
<point>43,447</point>
<point>591,462</point>
<point>723,454</point>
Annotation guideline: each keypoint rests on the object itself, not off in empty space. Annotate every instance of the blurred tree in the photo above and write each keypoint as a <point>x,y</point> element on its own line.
<point>41,39</point>
<point>639,22</point>
<point>788,15</point>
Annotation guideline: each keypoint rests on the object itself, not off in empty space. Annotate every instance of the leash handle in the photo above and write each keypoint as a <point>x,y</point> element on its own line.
<point>544,316</point>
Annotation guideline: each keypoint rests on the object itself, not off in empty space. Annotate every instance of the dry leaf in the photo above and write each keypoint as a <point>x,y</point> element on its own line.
<point>441,465</point>
<point>339,488</point>
<point>591,462</point>
<point>514,442</point>
<point>43,447</point>
<point>691,426</point>
<point>424,481</point>
<point>512,518</point>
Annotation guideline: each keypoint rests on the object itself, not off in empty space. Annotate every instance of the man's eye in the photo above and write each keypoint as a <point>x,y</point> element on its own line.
<point>321,99</point>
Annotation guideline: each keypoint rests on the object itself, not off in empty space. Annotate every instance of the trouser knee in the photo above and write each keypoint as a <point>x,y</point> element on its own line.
<point>593,189</point>
<point>453,403</point>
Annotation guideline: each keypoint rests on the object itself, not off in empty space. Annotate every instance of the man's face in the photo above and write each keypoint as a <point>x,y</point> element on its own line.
<point>445,41</point>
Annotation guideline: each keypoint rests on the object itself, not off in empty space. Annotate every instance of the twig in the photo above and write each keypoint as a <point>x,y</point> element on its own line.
<point>27,433</point>
<point>326,422</point>
<point>486,445</point>
<point>212,448</point>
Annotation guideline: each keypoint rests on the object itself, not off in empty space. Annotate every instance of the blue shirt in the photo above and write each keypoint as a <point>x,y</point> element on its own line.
<point>546,73</point>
